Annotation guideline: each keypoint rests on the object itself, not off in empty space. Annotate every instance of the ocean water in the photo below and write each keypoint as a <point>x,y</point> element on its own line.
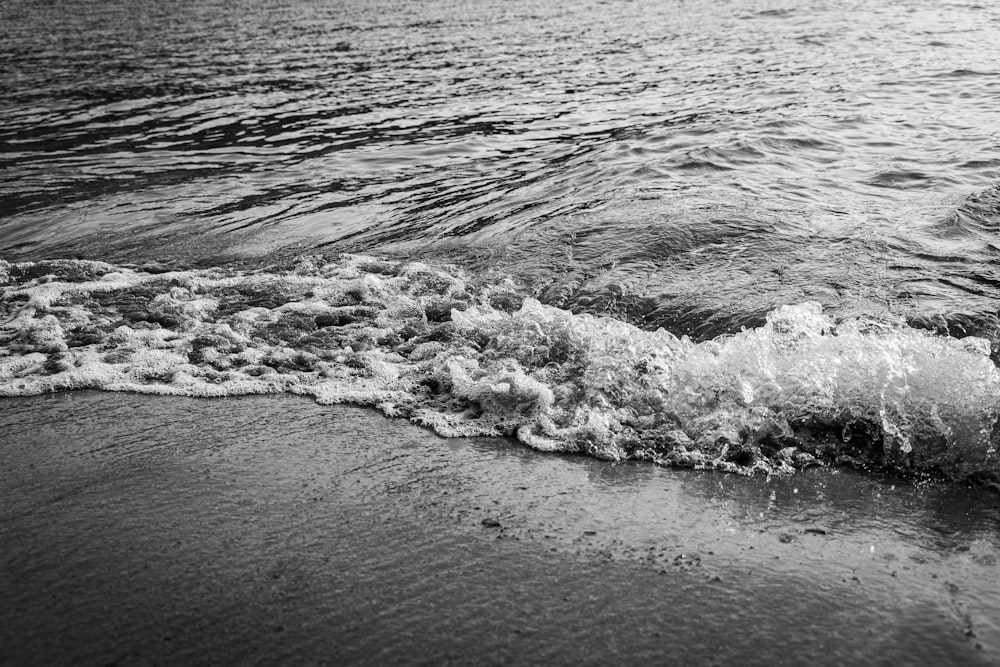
<point>749,235</point>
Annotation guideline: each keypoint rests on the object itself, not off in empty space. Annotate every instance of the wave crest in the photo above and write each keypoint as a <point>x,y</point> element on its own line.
<point>466,358</point>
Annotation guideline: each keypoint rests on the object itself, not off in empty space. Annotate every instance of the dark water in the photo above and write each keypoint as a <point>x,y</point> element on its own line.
<point>682,164</point>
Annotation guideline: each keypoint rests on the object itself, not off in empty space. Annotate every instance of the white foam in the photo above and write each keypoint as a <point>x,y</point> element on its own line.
<point>357,329</point>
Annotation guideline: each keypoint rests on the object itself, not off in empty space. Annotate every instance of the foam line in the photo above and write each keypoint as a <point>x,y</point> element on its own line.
<point>464,358</point>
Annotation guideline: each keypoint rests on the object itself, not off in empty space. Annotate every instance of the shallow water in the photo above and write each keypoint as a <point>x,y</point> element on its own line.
<point>691,165</point>
<point>291,531</point>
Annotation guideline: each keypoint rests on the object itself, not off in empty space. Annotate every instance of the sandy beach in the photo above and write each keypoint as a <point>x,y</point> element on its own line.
<point>499,332</point>
<point>155,530</point>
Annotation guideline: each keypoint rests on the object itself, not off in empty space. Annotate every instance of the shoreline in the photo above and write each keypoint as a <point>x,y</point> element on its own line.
<point>143,529</point>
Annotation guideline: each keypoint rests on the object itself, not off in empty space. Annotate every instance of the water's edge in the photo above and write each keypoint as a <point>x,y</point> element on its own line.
<point>468,356</point>
<point>148,529</point>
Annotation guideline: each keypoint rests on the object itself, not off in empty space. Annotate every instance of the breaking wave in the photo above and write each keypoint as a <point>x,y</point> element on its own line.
<point>465,357</point>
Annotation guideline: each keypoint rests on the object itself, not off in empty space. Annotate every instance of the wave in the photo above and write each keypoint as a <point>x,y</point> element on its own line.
<point>468,357</point>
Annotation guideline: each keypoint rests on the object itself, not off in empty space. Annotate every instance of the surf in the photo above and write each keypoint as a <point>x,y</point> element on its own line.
<point>467,357</point>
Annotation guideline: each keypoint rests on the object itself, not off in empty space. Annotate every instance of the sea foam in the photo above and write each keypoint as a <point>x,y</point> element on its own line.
<point>466,358</point>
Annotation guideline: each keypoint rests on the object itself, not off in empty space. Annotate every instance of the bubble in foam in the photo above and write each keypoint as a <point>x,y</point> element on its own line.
<point>463,358</point>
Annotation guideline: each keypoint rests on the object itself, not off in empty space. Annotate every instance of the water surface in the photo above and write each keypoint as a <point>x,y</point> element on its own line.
<point>696,164</point>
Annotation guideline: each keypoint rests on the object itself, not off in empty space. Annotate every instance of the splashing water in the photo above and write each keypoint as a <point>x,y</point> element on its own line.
<point>464,357</point>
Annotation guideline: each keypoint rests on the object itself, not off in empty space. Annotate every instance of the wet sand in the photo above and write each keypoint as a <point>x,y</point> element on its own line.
<point>259,530</point>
